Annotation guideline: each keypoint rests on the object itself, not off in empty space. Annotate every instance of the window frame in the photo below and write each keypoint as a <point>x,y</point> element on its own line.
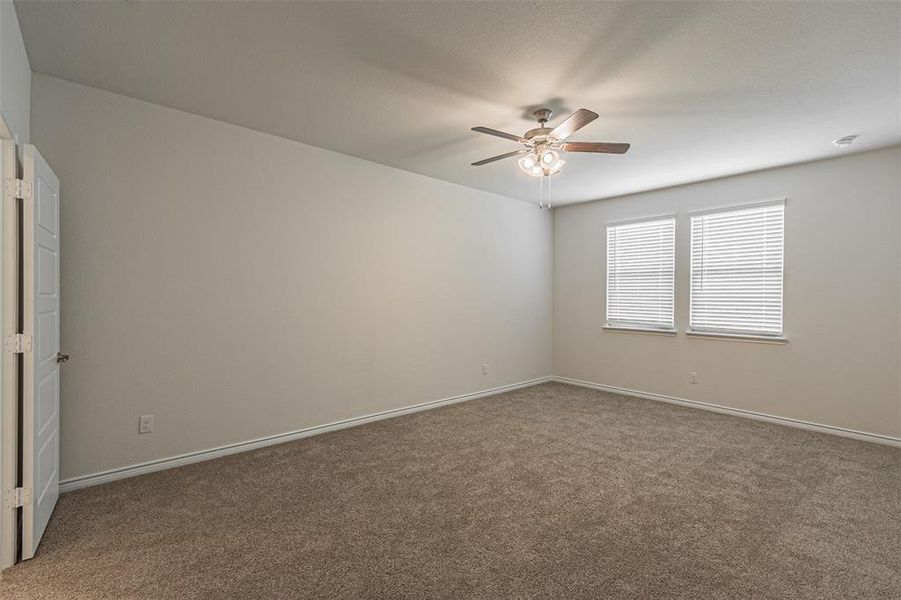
<point>635,327</point>
<point>732,333</point>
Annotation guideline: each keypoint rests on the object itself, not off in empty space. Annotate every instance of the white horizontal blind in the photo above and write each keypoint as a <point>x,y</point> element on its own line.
<point>640,273</point>
<point>736,270</point>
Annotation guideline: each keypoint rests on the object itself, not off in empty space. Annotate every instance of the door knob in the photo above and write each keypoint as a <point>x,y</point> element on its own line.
<point>61,358</point>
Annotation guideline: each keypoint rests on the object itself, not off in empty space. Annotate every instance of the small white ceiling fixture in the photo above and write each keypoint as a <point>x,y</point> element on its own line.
<point>845,141</point>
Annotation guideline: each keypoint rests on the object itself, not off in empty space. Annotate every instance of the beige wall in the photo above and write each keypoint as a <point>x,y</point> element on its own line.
<point>842,286</point>
<point>236,284</point>
<point>15,74</point>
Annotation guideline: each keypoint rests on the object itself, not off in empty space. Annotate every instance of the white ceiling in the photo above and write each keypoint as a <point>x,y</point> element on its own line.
<point>700,90</point>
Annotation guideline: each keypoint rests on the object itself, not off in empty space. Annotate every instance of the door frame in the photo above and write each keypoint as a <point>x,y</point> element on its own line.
<point>9,364</point>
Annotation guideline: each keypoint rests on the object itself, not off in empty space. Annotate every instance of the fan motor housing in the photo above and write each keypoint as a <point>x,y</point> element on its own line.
<point>536,132</point>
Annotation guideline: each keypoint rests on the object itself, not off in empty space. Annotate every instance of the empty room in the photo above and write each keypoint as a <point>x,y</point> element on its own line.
<point>450,299</point>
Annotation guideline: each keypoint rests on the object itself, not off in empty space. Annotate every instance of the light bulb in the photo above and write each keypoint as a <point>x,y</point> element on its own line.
<point>529,164</point>
<point>549,158</point>
<point>553,170</point>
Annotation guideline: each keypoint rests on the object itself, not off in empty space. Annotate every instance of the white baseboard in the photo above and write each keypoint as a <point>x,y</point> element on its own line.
<point>739,412</point>
<point>75,483</point>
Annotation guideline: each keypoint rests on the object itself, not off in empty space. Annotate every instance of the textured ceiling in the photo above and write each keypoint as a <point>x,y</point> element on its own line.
<point>700,90</point>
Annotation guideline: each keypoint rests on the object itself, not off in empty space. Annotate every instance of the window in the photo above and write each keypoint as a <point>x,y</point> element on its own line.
<point>640,273</point>
<point>736,270</point>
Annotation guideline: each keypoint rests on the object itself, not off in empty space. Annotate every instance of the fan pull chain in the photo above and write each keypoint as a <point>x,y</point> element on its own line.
<point>547,205</point>
<point>544,198</point>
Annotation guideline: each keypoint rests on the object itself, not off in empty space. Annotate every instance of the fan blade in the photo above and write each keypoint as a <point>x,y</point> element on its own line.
<point>604,147</point>
<point>497,133</point>
<point>573,123</point>
<point>499,157</point>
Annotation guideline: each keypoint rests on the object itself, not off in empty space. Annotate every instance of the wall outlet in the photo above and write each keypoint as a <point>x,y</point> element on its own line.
<point>693,377</point>
<point>145,424</point>
<point>484,368</point>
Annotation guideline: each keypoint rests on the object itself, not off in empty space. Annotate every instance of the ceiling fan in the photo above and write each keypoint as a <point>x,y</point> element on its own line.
<point>542,145</point>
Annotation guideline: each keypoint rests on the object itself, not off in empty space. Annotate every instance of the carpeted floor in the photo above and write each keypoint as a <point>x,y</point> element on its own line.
<point>547,492</point>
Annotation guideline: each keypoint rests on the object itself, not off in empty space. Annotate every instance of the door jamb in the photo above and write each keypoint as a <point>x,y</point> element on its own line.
<point>10,517</point>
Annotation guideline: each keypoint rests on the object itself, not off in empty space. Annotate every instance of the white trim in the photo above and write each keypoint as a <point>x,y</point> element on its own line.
<point>636,329</point>
<point>82,481</point>
<point>739,412</point>
<point>9,380</point>
<point>738,337</point>
<point>737,207</point>
<point>649,219</point>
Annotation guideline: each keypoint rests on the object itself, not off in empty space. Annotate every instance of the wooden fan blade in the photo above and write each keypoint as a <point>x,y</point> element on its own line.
<point>603,147</point>
<point>573,123</point>
<point>497,133</point>
<point>485,161</point>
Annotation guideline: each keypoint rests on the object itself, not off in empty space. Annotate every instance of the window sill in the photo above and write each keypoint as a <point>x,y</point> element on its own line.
<point>646,330</point>
<point>739,337</point>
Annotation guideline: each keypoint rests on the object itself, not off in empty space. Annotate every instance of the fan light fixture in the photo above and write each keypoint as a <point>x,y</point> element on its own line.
<point>541,165</point>
<point>541,147</point>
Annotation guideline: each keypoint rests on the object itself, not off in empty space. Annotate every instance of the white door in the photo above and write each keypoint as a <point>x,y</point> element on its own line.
<point>40,376</point>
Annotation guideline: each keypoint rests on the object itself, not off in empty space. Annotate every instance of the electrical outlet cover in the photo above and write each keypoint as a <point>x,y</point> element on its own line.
<point>145,424</point>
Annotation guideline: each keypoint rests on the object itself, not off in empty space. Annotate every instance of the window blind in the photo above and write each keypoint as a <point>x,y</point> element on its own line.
<point>736,270</point>
<point>640,273</point>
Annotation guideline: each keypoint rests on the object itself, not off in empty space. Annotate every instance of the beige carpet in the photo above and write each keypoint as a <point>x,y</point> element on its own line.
<point>548,492</point>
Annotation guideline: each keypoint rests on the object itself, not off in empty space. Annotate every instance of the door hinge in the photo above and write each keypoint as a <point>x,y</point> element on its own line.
<point>18,497</point>
<point>18,343</point>
<point>18,188</point>
<point>23,189</point>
